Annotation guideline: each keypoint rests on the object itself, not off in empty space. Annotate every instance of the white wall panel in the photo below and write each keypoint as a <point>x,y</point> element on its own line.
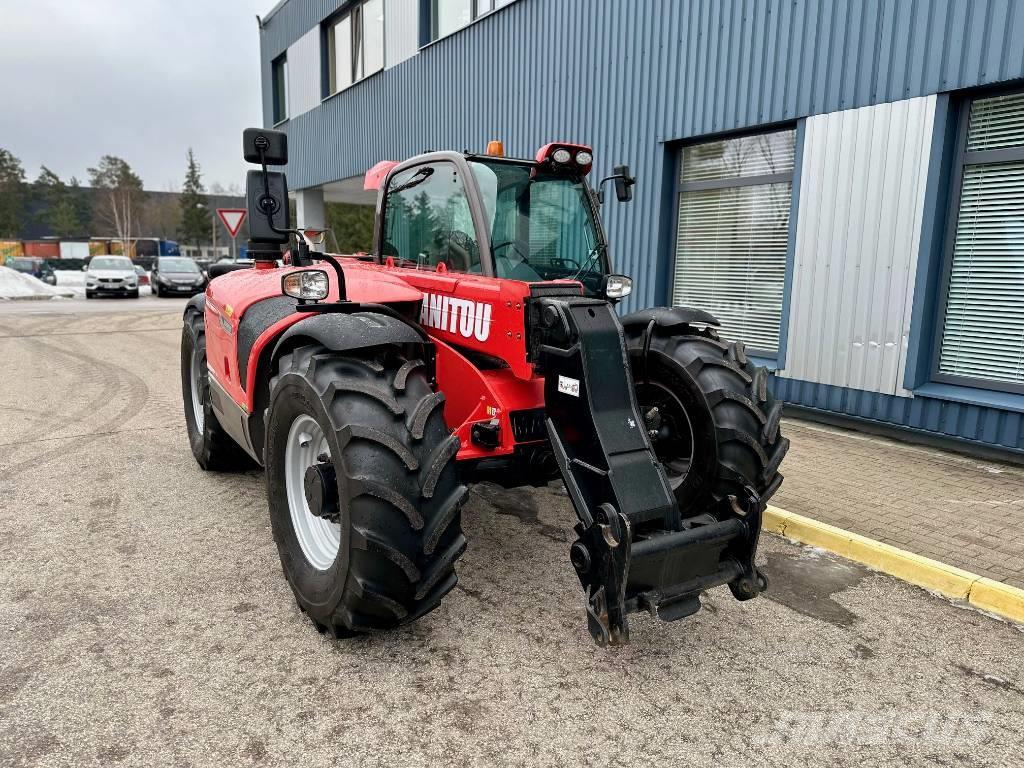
<point>401,30</point>
<point>304,73</point>
<point>862,188</point>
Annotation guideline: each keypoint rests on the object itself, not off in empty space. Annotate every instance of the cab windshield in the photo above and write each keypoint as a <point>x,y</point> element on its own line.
<point>540,224</point>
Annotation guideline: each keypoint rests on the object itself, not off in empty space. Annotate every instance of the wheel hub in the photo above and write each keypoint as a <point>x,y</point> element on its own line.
<point>320,488</point>
<point>311,491</point>
<point>669,428</point>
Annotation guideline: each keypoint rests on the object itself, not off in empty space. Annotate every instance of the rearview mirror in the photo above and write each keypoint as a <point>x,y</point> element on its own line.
<point>623,183</point>
<point>267,206</point>
<point>260,145</point>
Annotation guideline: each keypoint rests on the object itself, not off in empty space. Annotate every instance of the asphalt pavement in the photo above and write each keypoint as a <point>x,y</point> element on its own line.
<point>144,619</point>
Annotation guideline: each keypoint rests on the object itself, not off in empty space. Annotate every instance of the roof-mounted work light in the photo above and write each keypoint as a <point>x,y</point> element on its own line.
<point>567,157</point>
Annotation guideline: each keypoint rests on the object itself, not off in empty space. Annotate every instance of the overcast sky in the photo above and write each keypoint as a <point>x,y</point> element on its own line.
<point>142,79</point>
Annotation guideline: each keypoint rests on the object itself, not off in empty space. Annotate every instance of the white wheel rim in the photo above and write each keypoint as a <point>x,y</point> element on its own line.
<point>319,539</point>
<point>196,368</point>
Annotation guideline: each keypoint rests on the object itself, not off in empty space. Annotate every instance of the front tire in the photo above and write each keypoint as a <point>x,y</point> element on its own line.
<point>213,448</point>
<point>387,554</point>
<point>712,420</point>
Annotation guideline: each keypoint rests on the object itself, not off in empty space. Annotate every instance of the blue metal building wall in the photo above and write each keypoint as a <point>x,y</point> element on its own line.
<point>632,78</point>
<point>629,76</point>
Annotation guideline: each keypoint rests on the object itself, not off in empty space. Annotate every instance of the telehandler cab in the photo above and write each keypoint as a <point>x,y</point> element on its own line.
<point>479,340</point>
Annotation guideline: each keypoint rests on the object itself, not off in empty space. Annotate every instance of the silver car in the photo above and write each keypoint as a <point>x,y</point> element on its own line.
<point>111,276</point>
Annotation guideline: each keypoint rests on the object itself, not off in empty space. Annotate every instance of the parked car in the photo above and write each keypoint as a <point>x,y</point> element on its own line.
<point>143,274</point>
<point>111,276</point>
<point>176,276</point>
<point>38,268</point>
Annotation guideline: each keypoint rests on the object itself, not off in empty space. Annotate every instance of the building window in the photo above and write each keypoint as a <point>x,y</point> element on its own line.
<point>279,88</point>
<point>733,233</point>
<point>447,16</point>
<point>983,325</point>
<point>428,221</point>
<point>354,45</point>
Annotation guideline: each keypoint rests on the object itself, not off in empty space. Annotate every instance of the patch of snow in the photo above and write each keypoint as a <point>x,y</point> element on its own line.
<point>70,277</point>
<point>17,285</point>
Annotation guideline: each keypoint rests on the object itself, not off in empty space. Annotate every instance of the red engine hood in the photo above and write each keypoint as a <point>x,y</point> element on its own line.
<point>242,288</point>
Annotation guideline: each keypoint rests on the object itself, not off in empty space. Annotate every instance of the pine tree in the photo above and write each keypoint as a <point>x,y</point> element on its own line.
<point>12,183</point>
<point>195,213</point>
<point>59,211</point>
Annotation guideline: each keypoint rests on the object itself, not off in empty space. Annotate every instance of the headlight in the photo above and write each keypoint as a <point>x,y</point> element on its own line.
<point>561,156</point>
<point>617,286</point>
<point>309,284</point>
<point>584,158</point>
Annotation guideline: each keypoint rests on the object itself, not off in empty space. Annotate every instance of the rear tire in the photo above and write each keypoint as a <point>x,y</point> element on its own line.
<point>213,448</point>
<point>717,425</point>
<point>390,556</point>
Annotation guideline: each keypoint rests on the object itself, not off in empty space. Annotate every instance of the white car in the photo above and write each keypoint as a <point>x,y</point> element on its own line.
<point>111,276</point>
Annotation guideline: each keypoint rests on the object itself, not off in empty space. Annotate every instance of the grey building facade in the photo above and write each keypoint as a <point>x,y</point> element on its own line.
<point>841,182</point>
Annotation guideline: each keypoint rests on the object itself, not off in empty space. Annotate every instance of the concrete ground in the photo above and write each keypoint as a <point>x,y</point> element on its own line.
<point>144,619</point>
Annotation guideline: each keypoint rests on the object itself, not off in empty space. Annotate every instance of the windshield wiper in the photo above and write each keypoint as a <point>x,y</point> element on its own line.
<point>418,178</point>
<point>594,253</point>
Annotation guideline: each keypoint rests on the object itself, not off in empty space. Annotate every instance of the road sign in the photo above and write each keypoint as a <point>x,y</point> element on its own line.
<point>232,219</point>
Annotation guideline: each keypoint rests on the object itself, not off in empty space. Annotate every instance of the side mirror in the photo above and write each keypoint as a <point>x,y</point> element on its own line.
<point>623,183</point>
<point>85,267</point>
<point>260,145</point>
<point>266,200</point>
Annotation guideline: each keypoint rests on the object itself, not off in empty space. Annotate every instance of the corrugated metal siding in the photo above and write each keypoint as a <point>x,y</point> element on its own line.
<point>626,76</point>
<point>401,30</point>
<point>304,73</point>
<point>862,193</point>
<point>962,421</point>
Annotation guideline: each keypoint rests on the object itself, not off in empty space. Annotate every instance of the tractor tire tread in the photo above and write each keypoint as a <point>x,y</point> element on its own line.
<point>419,416</point>
<point>395,460</point>
<point>741,418</point>
<point>215,450</point>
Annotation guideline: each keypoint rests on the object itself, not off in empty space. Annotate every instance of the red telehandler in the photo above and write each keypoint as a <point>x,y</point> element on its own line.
<point>479,340</point>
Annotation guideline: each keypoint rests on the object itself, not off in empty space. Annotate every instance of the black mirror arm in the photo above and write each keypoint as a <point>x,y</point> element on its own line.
<point>629,180</point>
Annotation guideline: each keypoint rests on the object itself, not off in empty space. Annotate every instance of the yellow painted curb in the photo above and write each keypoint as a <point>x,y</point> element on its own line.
<point>996,597</point>
<point>985,594</point>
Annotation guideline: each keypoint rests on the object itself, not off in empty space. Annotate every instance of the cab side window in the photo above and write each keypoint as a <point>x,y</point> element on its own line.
<point>427,219</point>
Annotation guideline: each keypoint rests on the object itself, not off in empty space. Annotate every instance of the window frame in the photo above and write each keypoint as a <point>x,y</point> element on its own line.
<point>473,197</point>
<point>767,356</point>
<point>355,13</point>
<point>475,14</point>
<point>281,91</point>
<point>961,159</point>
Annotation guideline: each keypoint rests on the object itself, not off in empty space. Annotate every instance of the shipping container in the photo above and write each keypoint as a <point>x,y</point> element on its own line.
<point>10,249</point>
<point>70,249</point>
<point>44,249</point>
<point>169,248</point>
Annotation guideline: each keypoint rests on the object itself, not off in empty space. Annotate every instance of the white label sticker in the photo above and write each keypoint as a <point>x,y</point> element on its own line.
<point>569,386</point>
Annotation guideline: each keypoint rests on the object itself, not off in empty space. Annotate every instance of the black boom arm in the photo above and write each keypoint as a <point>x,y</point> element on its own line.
<point>634,552</point>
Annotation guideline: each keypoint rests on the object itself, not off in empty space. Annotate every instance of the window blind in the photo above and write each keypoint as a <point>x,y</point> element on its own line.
<point>983,329</point>
<point>733,233</point>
